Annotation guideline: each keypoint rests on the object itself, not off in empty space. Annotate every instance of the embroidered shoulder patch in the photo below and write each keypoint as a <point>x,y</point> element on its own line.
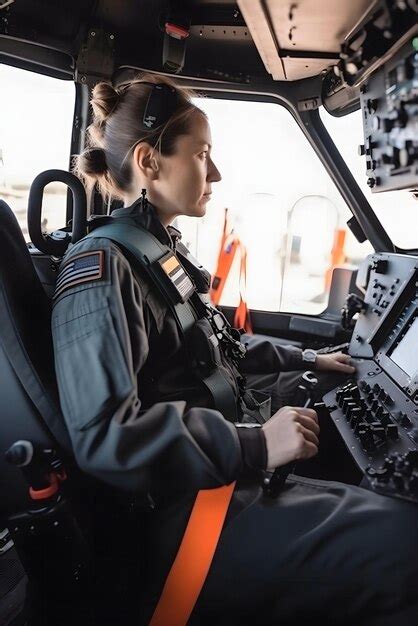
<point>82,268</point>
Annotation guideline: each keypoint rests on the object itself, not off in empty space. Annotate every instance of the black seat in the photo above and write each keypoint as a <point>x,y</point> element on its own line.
<point>28,394</point>
<point>78,553</point>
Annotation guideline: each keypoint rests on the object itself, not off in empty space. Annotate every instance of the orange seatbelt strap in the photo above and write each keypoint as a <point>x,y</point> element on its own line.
<point>194,557</point>
<point>228,248</point>
<point>242,312</point>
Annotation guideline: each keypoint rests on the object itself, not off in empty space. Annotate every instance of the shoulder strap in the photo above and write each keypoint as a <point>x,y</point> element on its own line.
<point>148,251</point>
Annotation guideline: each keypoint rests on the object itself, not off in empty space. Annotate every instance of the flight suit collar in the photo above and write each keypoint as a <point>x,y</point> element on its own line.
<point>149,220</point>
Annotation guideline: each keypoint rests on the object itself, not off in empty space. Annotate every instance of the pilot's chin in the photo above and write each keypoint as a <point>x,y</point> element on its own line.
<point>200,210</point>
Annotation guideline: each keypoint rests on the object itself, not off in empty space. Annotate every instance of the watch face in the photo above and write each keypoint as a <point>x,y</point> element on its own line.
<point>309,356</point>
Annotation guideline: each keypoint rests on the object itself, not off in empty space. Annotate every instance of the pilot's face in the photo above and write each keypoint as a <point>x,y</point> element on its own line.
<point>184,182</point>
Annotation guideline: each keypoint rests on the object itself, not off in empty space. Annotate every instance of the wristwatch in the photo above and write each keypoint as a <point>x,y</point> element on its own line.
<point>309,356</point>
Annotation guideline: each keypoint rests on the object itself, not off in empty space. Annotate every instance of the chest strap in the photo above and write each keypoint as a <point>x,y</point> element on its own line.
<point>147,251</point>
<point>194,557</point>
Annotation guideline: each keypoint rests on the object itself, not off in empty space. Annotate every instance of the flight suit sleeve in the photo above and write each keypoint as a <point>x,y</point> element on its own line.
<point>98,315</point>
<point>265,357</point>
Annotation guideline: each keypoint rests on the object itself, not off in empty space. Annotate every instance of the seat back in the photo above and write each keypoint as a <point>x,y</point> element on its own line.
<point>27,382</point>
<point>29,410</point>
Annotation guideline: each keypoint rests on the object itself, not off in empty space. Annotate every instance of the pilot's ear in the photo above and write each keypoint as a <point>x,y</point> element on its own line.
<point>146,160</point>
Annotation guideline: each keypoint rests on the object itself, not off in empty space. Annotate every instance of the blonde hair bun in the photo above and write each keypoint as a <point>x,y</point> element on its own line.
<point>104,101</point>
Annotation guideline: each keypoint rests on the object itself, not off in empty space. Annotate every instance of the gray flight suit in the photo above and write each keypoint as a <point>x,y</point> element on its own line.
<point>140,420</point>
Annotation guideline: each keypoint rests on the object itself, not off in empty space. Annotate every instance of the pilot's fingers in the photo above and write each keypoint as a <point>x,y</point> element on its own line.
<point>307,412</point>
<point>308,423</point>
<point>310,450</point>
<point>309,435</point>
<point>342,363</point>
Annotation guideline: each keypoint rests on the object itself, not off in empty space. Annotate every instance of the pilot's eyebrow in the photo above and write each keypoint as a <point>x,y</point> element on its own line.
<point>204,143</point>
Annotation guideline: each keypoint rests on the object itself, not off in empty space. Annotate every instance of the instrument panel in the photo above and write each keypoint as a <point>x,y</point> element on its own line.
<point>376,412</point>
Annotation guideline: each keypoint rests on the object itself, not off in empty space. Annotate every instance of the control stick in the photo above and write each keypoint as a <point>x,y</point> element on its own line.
<point>273,485</point>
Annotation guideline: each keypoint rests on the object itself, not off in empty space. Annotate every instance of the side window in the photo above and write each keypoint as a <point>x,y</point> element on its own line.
<point>282,204</point>
<point>35,135</point>
<point>394,209</point>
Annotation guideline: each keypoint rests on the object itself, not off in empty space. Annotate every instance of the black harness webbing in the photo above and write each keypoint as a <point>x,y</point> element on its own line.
<point>14,349</point>
<point>147,250</point>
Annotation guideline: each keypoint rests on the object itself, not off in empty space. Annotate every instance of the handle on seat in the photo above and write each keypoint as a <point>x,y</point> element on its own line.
<point>45,243</point>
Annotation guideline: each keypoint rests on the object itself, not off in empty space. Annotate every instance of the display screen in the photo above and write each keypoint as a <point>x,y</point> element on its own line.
<point>405,355</point>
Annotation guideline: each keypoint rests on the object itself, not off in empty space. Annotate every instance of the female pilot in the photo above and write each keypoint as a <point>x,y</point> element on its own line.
<point>143,416</point>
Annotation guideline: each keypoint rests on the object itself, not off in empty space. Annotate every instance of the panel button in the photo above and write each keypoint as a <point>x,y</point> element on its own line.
<point>380,266</point>
<point>385,418</point>
<point>403,419</point>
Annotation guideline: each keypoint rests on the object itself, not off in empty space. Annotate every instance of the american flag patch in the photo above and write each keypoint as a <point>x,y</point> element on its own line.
<point>81,268</point>
<point>175,272</point>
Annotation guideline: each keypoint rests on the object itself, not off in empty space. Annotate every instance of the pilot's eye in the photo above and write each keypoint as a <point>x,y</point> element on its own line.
<point>203,155</point>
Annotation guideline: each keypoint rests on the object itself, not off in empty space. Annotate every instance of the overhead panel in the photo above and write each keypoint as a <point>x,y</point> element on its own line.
<point>300,39</point>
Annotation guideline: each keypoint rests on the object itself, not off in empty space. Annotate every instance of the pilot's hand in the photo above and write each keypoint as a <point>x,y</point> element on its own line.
<point>337,362</point>
<point>291,435</point>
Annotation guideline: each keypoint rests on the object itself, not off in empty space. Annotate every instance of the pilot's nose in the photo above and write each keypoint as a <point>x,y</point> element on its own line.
<point>214,175</point>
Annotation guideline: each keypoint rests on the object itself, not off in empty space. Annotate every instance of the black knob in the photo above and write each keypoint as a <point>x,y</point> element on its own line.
<point>392,431</point>
<point>387,158</point>
<point>346,401</point>
<point>401,118</point>
<point>366,439</point>
<point>387,125</point>
<point>413,484</point>
<point>403,419</point>
<point>412,457</point>
<point>389,464</point>
<point>398,481</point>
<point>361,426</point>
<point>378,431</point>
<point>388,400</point>
<point>20,453</point>
<point>399,462</point>
<point>338,394</point>
<point>385,418</point>
<point>379,411</point>
<point>380,266</point>
<point>354,391</point>
<point>374,406</point>
<point>368,416</point>
<point>355,418</point>
<point>349,407</point>
<point>352,410</point>
<point>380,474</point>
